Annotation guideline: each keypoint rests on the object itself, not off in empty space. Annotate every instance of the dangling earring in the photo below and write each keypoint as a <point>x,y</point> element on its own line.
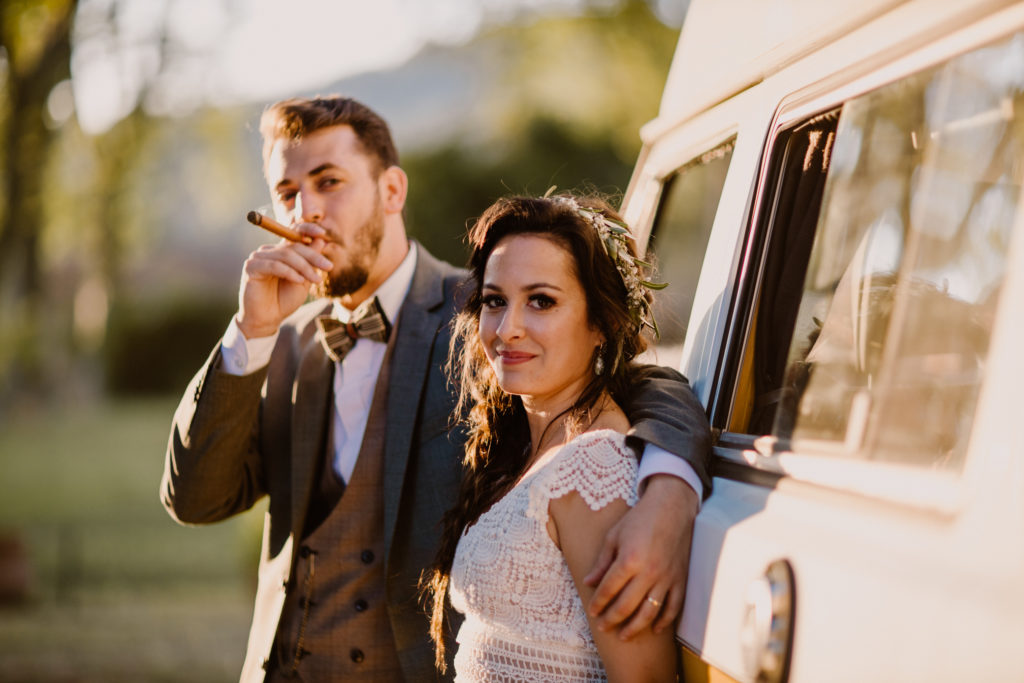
<point>599,361</point>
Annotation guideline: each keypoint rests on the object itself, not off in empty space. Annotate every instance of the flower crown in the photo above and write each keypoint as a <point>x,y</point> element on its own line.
<point>615,238</point>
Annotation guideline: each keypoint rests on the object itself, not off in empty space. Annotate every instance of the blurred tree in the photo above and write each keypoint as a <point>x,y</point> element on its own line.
<point>35,57</point>
<point>600,74</point>
<point>568,98</point>
<point>89,219</point>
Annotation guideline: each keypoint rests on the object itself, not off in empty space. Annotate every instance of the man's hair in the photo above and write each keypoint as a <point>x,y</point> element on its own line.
<point>295,118</point>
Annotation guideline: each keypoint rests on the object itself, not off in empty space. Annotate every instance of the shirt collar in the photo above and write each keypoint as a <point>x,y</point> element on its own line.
<point>391,292</point>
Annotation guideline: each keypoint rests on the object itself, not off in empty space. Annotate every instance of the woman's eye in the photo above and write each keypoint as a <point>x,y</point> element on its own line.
<point>493,301</point>
<point>541,301</point>
<point>328,182</point>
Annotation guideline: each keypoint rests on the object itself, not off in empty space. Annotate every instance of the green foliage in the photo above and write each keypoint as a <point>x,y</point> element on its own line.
<point>155,347</point>
<point>450,186</point>
<point>568,99</point>
<point>600,74</point>
<point>108,567</point>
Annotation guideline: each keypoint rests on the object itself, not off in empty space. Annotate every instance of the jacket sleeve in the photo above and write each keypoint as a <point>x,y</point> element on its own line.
<point>664,411</point>
<point>212,468</point>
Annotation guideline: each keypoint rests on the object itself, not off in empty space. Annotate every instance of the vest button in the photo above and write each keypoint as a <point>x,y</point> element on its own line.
<point>357,655</point>
<point>366,556</point>
<point>361,605</point>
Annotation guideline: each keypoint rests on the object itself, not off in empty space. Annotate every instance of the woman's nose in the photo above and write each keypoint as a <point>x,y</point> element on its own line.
<point>511,325</point>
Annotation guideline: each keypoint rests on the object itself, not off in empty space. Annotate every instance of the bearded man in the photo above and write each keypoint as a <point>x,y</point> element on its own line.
<point>339,411</point>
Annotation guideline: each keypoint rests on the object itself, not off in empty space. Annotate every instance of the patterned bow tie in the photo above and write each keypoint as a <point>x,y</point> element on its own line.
<point>368,321</point>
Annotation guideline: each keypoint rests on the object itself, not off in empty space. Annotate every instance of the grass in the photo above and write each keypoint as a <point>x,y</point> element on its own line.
<point>117,590</point>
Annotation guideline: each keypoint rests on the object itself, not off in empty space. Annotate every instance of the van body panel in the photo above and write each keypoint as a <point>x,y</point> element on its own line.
<point>900,572</point>
<point>719,56</point>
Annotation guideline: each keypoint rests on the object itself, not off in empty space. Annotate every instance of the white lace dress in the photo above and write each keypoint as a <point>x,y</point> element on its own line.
<point>524,620</point>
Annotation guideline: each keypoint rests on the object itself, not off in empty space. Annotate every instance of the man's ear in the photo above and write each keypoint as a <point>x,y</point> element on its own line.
<point>394,186</point>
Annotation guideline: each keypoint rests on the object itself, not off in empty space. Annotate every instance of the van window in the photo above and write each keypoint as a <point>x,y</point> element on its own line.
<point>679,237</point>
<point>877,348</point>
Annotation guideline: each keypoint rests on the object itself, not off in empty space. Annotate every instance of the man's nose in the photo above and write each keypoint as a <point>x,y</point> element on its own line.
<point>308,207</point>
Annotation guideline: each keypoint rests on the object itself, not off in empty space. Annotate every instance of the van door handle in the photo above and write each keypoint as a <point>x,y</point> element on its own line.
<point>767,632</point>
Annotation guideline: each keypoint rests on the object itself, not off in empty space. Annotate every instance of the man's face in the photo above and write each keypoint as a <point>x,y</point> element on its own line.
<point>326,178</point>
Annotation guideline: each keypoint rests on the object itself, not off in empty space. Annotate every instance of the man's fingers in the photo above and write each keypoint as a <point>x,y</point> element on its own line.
<point>611,586</point>
<point>627,599</point>
<point>604,561</point>
<point>650,608</point>
<point>670,610</point>
<point>287,264</point>
<point>268,269</point>
<point>301,254</point>
<point>309,230</point>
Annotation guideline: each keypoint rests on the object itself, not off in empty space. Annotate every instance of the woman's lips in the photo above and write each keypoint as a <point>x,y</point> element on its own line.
<point>514,357</point>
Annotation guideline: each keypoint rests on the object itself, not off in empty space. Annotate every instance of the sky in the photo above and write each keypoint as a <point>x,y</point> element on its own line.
<point>236,51</point>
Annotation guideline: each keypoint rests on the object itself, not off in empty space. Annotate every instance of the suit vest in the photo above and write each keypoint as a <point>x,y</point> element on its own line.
<point>335,624</point>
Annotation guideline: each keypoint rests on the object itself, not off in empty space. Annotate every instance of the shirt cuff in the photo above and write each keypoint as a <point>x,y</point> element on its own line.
<point>241,356</point>
<point>657,460</point>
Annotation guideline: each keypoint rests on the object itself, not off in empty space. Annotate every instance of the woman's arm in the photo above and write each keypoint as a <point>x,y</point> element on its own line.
<point>580,533</point>
<point>647,553</point>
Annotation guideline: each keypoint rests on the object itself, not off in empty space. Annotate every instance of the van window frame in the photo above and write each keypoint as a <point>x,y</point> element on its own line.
<point>749,457</point>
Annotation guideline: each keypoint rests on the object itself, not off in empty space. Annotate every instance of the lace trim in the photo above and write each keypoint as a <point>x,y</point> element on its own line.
<point>598,465</point>
<point>524,617</point>
<point>485,656</point>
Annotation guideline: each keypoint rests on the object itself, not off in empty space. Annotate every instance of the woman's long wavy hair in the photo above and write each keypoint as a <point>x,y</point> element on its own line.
<point>496,450</point>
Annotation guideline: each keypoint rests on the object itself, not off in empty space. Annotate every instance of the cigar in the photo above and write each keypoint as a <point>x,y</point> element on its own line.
<point>270,225</point>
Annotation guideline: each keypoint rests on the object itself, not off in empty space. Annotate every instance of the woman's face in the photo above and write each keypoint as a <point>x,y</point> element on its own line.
<point>533,323</point>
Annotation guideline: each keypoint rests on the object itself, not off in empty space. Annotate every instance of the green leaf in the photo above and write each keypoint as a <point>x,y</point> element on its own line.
<point>612,247</point>
<point>654,285</point>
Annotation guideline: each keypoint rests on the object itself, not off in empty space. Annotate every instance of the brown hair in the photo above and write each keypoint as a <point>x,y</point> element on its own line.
<point>295,118</point>
<point>496,451</point>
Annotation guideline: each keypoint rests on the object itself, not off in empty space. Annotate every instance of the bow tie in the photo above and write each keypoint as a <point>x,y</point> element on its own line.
<point>368,321</point>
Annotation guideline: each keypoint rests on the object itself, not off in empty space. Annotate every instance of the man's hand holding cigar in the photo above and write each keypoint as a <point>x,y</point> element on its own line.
<point>276,278</point>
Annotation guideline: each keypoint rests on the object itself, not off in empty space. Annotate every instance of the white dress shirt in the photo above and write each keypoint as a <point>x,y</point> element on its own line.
<point>356,376</point>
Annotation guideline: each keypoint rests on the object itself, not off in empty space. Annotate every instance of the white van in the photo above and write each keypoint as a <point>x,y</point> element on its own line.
<point>833,192</point>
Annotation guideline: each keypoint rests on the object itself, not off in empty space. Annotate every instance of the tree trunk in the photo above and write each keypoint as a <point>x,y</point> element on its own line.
<point>31,75</point>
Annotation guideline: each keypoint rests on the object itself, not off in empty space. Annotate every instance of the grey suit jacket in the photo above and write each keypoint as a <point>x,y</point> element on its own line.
<point>235,439</point>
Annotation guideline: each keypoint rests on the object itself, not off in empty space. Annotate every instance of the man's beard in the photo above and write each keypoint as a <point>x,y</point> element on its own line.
<point>362,255</point>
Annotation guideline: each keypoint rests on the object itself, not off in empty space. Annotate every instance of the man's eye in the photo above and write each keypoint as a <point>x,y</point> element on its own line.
<point>328,182</point>
<point>285,197</point>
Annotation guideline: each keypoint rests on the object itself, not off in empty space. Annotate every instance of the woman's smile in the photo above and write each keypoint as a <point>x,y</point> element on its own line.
<point>515,357</point>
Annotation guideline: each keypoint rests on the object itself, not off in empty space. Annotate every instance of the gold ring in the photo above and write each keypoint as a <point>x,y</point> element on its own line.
<point>657,605</point>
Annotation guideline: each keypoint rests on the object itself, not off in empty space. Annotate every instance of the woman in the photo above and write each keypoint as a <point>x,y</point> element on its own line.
<point>542,350</point>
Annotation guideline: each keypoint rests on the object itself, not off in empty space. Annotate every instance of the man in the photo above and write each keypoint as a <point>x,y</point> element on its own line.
<point>352,443</point>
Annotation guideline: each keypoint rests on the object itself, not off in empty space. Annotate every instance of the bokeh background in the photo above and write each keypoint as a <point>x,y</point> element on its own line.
<point>129,158</point>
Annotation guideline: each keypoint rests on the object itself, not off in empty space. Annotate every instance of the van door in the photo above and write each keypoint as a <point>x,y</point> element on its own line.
<point>863,526</point>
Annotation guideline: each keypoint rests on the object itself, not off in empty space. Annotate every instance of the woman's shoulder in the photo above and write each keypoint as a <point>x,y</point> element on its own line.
<point>597,464</point>
<point>604,441</point>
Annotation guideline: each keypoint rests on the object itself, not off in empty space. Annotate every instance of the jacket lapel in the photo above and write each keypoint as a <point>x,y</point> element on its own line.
<point>311,406</point>
<point>420,319</point>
